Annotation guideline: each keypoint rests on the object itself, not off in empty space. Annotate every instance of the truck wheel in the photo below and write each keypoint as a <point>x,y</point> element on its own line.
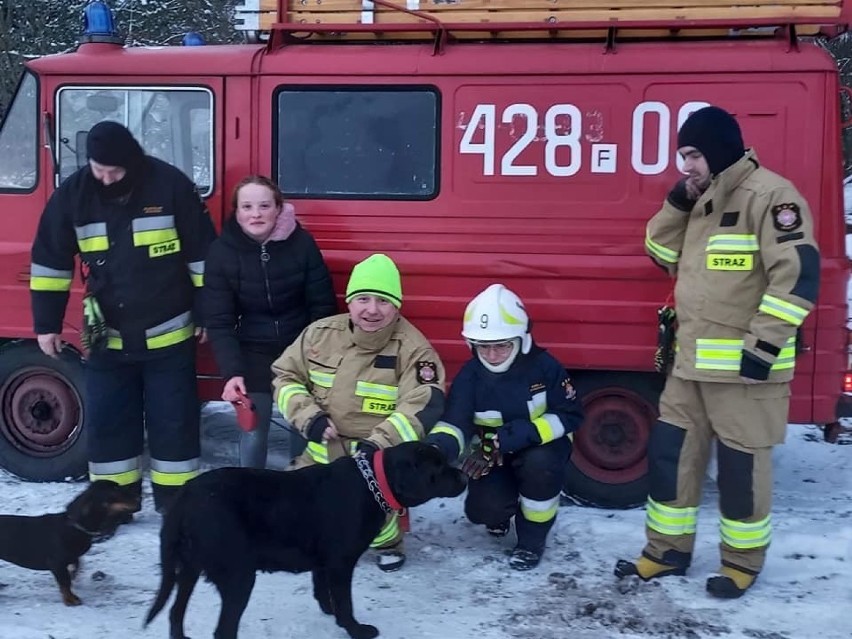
<point>41,414</point>
<point>609,466</point>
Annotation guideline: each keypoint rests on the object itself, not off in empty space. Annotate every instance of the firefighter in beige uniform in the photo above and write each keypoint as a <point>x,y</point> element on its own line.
<point>366,378</point>
<point>739,240</point>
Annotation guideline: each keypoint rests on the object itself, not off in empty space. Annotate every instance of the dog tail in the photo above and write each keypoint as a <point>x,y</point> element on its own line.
<point>170,538</point>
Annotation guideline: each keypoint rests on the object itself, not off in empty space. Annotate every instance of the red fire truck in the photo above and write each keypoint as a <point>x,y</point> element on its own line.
<point>480,141</point>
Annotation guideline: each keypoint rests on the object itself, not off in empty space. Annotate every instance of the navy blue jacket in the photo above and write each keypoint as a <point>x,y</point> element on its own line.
<point>532,403</point>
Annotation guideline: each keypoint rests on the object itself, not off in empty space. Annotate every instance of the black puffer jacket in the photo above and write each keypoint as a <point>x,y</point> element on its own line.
<point>258,298</point>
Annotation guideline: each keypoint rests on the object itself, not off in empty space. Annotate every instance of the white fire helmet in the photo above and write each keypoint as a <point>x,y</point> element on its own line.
<point>497,315</point>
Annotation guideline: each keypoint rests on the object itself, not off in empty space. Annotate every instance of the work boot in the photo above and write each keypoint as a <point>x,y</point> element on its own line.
<point>646,569</point>
<point>390,560</point>
<point>524,559</point>
<point>498,530</point>
<point>731,583</point>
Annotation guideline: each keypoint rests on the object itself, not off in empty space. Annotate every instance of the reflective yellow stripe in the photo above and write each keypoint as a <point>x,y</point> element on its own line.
<point>783,310</point>
<point>388,533</point>
<point>671,521</point>
<point>92,237</point>
<point>403,427</point>
<point>172,479</point>
<point>122,479</point>
<point>171,338</point>
<point>726,355</point>
<point>510,319</point>
<point>718,354</point>
<point>381,391</point>
<point>660,251</point>
<point>321,379</point>
<point>196,273</point>
<point>318,452</point>
<point>733,242</point>
<point>490,418</point>
<point>549,427</point>
<point>539,511</point>
<point>537,405</point>
<point>448,429</point>
<point>287,391</point>
<point>153,230</point>
<point>93,244</point>
<point>44,278</point>
<point>743,535</point>
<point>50,284</point>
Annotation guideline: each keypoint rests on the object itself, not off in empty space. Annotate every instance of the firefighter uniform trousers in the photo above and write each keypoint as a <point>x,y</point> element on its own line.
<point>746,420</point>
<point>128,395</point>
<point>390,537</point>
<point>526,487</point>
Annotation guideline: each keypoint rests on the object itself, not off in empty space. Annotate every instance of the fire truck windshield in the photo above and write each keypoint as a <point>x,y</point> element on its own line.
<point>19,139</point>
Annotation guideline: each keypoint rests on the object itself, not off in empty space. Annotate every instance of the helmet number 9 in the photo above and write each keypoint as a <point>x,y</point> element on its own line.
<point>483,320</point>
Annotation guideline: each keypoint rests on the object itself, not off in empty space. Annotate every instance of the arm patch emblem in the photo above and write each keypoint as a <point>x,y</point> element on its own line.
<point>786,217</point>
<point>427,372</point>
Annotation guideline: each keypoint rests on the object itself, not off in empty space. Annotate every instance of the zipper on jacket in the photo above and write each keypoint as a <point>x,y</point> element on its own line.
<point>264,258</point>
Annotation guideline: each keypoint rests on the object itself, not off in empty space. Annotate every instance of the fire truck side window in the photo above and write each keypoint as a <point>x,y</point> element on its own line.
<point>175,125</point>
<point>19,139</point>
<point>357,142</point>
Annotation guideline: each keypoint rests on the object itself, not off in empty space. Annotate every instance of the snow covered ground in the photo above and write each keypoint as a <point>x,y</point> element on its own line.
<point>456,584</point>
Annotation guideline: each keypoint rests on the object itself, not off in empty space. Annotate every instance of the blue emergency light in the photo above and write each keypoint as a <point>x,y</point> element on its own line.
<point>193,39</point>
<point>99,24</point>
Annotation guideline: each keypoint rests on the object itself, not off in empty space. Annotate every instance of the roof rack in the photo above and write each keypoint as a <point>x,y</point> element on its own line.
<point>537,19</point>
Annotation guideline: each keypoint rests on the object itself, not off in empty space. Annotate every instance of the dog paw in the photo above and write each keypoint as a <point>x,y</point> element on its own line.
<point>71,599</point>
<point>362,631</point>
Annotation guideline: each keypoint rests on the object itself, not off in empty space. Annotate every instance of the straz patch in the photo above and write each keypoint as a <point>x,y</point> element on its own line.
<point>427,372</point>
<point>721,262</point>
<point>152,210</point>
<point>377,406</point>
<point>164,248</point>
<point>786,217</point>
<point>570,391</point>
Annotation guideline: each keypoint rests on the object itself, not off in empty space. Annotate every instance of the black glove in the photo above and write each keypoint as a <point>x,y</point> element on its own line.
<point>317,428</point>
<point>679,197</point>
<point>366,446</point>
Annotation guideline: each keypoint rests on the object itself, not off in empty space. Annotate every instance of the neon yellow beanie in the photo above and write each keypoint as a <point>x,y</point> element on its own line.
<point>377,275</point>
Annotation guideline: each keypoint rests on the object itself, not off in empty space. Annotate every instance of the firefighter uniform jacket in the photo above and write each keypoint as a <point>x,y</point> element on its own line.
<point>145,256</point>
<point>386,387</point>
<point>532,403</point>
<point>747,268</point>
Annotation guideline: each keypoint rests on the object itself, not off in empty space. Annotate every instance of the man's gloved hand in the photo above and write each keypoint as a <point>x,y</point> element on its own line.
<point>681,197</point>
<point>366,446</point>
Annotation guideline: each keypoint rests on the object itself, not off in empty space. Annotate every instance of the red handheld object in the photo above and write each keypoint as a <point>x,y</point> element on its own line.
<point>246,413</point>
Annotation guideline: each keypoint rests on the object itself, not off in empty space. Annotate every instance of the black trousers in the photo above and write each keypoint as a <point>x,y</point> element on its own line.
<point>535,474</point>
<point>127,395</point>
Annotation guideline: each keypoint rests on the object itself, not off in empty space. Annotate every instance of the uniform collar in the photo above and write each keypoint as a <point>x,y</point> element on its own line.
<point>373,341</point>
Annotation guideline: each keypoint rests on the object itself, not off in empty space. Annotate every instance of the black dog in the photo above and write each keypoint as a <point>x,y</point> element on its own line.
<point>56,541</point>
<point>231,522</point>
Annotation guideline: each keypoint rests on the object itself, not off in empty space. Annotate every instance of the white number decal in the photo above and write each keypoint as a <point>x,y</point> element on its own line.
<point>486,147</point>
<point>663,138</point>
<point>563,127</point>
<point>555,139</point>
<point>528,113</point>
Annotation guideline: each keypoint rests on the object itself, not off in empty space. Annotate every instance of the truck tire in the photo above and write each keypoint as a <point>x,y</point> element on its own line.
<point>609,466</point>
<point>41,414</point>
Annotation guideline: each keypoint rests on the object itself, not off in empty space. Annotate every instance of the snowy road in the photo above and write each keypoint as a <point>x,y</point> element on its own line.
<point>456,584</point>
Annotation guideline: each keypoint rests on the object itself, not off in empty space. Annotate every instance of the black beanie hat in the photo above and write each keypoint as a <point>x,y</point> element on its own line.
<point>111,144</point>
<point>715,133</point>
